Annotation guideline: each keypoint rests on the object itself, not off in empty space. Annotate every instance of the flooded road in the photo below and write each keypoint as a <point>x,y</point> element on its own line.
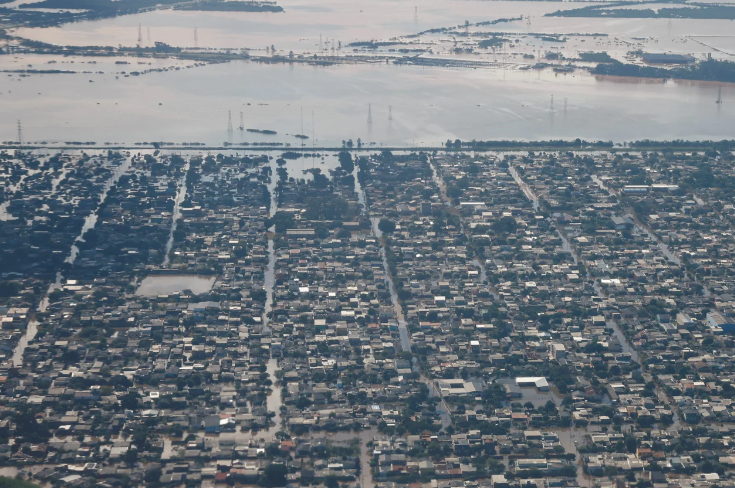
<point>32,328</point>
<point>402,329</point>
<point>441,185</point>
<point>359,191</point>
<point>275,399</point>
<point>180,197</point>
<point>9,191</point>
<point>643,229</point>
<point>524,187</point>
<point>89,223</point>
<point>91,220</point>
<point>270,271</point>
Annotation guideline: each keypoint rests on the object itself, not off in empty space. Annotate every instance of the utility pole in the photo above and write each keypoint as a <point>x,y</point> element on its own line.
<point>242,121</point>
<point>229,121</point>
<point>140,36</point>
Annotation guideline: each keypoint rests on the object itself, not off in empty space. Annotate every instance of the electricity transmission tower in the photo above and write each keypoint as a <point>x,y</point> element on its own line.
<point>370,114</point>
<point>229,121</point>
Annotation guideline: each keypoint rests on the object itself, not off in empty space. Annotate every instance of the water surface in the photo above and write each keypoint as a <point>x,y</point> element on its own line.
<point>169,284</point>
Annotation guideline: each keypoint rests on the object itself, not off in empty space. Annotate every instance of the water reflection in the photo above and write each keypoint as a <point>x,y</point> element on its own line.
<point>435,104</point>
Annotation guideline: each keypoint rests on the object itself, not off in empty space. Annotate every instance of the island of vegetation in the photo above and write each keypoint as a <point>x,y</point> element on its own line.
<point>690,11</point>
<point>76,10</point>
<point>708,70</point>
<point>263,131</point>
<point>232,6</point>
<point>6,482</point>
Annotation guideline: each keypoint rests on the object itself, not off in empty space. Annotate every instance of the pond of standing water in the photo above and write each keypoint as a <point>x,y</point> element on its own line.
<point>168,284</point>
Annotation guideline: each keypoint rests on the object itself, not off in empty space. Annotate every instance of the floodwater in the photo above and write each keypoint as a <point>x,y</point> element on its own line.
<point>429,106</point>
<point>275,399</point>
<point>32,328</point>
<point>299,28</point>
<point>402,329</point>
<point>180,197</point>
<point>89,223</point>
<point>91,220</point>
<point>152,286</point>
<point>269,281</point>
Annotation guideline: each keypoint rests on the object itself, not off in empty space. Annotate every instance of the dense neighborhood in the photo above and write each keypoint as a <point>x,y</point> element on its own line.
<point>368,319</point>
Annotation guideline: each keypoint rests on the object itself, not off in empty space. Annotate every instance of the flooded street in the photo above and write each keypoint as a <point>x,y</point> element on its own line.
<point>524,187</point>
<point>180,197</point>
<point>402,329</point>
<point>441,185</point>
<point>11,189</point>
<point>643,229</point>
<point>275,399</point>
<point>89,223</point>
<point>270,270</point>
<point>33,324</point>
<point>567,247</point>
<point>91,220</point>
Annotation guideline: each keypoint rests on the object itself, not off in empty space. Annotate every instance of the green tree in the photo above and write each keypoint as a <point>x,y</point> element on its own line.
<point>129,401</point>
<point>274,475</point>
<point>386,226</point>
